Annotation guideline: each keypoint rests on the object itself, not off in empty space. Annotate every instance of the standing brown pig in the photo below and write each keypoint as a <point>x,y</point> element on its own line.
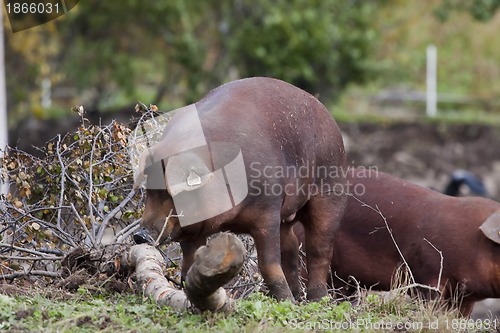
<point>248,158</point>
<point>423,222</point>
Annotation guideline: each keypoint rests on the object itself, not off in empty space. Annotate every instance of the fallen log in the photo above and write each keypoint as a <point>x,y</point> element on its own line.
<point>215,264</point>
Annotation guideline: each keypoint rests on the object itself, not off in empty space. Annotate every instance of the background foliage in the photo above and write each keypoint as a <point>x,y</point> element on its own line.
<point>105,55</point>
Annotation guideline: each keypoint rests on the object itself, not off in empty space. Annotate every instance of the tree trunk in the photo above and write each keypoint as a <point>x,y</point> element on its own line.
<point>215,264</point>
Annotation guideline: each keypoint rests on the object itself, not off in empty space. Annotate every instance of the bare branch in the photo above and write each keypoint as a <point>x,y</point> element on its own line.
<point>91,186</point>
<point>126,232</point>
<point>413,283</point>
<point>63,179</point>
<point>441,261</point>
<point>157,242</point>
<point>82,223</point>
<point>15,275</point>
<point>112,214</point>
<point>128,227</point>
<point>377,210</point>
<point>34,252</point>
<point>29,258</point>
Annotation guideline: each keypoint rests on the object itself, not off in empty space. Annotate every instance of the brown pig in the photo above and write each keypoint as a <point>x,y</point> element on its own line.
<point>425,225</point>
<point>248,158</point>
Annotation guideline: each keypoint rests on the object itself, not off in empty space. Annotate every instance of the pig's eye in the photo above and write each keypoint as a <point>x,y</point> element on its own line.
<point>193,179</point>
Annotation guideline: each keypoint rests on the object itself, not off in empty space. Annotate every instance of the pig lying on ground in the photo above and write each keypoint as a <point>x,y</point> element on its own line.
<point>269,150</point>
<point>423,222</point>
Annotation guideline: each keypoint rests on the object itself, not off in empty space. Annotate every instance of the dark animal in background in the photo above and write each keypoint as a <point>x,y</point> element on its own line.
<point>458,178</point>
<point>465,230</point>
<point>279,128</point>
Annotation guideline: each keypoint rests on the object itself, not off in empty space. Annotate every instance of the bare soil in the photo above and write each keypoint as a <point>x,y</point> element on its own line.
<point>426,153</point>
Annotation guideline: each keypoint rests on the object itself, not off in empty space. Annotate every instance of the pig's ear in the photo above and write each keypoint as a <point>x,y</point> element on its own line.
<point>186,172</point>
<point>491,227</point>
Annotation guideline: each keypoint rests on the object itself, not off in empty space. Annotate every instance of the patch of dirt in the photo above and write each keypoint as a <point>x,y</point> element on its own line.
<point>21,314</point>
<point>20,288</point>
<point>13,290</point>
<point>426,153</point>
<point>80,268</point>
<point>79,259</point>
<point>84,320</point>
<point>73,281</point>
<point>105,322</point>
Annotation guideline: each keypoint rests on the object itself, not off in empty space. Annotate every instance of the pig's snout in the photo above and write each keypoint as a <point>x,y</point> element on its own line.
<point>142,236</point>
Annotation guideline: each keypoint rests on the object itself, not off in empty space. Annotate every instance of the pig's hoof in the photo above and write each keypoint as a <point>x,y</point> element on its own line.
<point>280,291</point>
<point>316,294</point>
<point>285,297</point>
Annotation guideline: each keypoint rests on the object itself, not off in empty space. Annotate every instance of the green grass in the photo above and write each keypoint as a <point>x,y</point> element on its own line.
<point>355,107</point>
<point>131,313</point>
<point>464,117</point>
<point>343,116</point>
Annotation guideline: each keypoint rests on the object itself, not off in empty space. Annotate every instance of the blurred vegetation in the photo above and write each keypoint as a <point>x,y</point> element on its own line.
<point>184,48</point>
<point>106,55</point>
<point>468,57</point>
<point>320,46</point>
<point>481,10</point>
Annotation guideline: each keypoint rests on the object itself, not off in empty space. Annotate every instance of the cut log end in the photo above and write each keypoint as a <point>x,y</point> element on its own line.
<point>215,264</point>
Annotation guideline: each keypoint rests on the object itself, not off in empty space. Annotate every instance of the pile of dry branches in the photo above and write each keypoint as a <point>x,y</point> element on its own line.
<point>74,209</point>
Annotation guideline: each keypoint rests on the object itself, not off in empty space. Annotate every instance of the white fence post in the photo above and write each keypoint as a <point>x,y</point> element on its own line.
<point>431,80</point>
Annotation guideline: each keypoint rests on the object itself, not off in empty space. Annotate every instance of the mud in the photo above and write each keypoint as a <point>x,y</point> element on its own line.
<point>426,154</point>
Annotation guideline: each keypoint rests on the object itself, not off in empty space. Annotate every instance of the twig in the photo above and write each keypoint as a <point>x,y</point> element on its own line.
<point>417,285</point>
<point>82,223</point>
<point>91,185</point>
<point>34,252</point>
<point>15,275</point>
<point>67,237</point>
<point>29,258</point>
<point>111,214</point>
<point>441,262</point>
<point>121,236</point>
<point>356,284</point>
<point>56,252</point>
<point>63,179</point>
<point>359,292</point>
<point>413,283</point>
<point>92,207</point>
<point>377,210</point>
<point>157,242</point>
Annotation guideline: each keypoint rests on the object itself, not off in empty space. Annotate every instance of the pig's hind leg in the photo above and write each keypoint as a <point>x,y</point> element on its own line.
<point>290,258</point>
<point>324,213</point>
<point>266,236</point>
